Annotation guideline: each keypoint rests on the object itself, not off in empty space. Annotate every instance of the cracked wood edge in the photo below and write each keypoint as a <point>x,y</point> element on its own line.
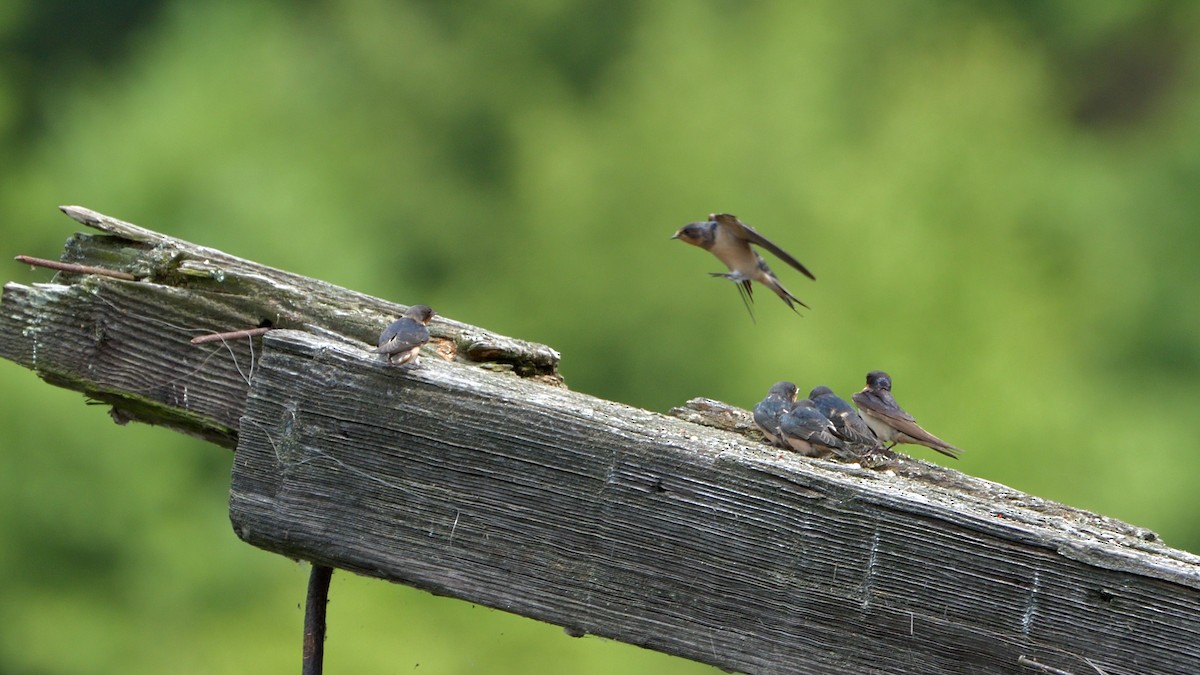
<point>170,258</point>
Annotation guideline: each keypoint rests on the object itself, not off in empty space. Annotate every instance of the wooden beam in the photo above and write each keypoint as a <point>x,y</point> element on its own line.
<point>686,539</point>
<point>478,475</point>
<point>129,343</point>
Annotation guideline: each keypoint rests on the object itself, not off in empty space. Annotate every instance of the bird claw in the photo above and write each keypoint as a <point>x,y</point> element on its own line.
<point>876,458</point>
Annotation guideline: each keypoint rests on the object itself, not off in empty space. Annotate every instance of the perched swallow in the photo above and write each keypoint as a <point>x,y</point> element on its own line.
<point>889,421</point>
<point>851,428</point>
<point>402,340</point>
<point>846,422</point>
<point>780,399</point>
<point>729,239</point>
<point>810,433</point>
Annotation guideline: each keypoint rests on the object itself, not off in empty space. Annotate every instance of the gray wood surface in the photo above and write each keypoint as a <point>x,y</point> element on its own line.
<point>127,343</point>
<point>479,476</point>
<point>688,539</point>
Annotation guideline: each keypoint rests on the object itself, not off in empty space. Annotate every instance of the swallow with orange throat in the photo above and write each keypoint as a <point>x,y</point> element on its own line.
<point>729,239</point>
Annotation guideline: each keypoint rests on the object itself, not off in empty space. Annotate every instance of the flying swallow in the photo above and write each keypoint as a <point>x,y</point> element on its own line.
<point>780,399</point>
<point>889,421</point>
<point>810,433</point>
<point>729,240</point>
<point>402,340</point>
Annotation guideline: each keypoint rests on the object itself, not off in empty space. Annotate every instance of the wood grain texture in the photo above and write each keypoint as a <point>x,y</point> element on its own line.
<point>128,343</point>
<point>479,476</point>
<point>688,539</point>
<point>285,299</point>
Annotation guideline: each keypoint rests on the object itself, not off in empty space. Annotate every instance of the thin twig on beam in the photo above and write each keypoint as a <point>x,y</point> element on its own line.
<point>231,335</point>
<point>73,268</point>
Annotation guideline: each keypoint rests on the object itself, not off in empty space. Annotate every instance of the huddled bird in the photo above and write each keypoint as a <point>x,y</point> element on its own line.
<point>847,424</point>
<point>779,399</point>
<point>889,421</point>
<point>810,433</point>
<point>402,340</point>
<point>823,423</point>
<point>729,239</point>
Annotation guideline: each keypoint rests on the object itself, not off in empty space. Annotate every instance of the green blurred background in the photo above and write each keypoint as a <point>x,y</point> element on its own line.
<point>998,199</point>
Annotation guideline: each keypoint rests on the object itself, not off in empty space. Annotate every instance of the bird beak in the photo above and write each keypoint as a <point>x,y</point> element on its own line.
<point>676,235</point>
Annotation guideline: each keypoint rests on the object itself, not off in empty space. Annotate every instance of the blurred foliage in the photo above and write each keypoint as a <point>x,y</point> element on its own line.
<point>998,199</point>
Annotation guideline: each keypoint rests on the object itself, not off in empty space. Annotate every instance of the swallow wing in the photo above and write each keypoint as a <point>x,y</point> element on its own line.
<point>885,406</point>
<point>825,436</point>
<point>810,425</point>
<point>746,233</point>
<point>768,411</point>
<point>767,415</point>
<point>851,428</point>
<point>792,424</point>
<point>403,335</point>
<point>746,292</point>
<point>919,435</point>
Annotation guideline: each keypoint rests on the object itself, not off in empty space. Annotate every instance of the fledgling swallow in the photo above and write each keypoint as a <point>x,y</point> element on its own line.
<point>810,433</point>
<point>851,428</point>
<point>847,424</point>
<point>780,399</point>
<point>889,421</point>
<point>729,239</point>
<point>402,340</point>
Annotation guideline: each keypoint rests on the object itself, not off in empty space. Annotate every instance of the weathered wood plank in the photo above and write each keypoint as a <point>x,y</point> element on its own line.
<point>517,493</point>
<point>284,299</point>
<point>690,540</point>
<point>127,343</point>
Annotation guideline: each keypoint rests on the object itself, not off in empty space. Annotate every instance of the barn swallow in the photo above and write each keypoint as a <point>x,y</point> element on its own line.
<point>846,422</point>
<point>810,433</point>
<point>889,421</point>
<point>780,399</point>
<point>851,428</point>
<point>729,240</point>
<point>402,340</point>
